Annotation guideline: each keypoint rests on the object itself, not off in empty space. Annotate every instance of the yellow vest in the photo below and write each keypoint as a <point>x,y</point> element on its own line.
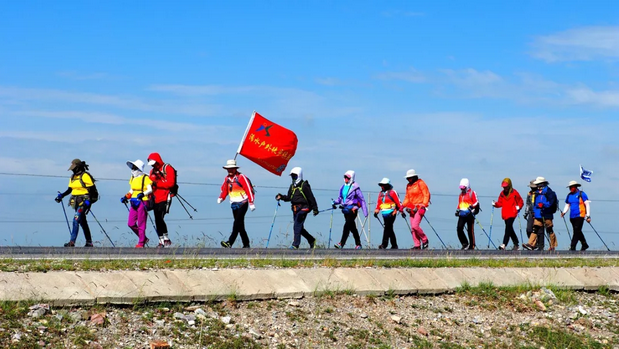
<point>136,185</point>
<point>76,185</point>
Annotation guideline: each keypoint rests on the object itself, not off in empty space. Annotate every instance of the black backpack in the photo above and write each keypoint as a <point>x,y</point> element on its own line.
<point>93,192</point>
<point>174,188</point>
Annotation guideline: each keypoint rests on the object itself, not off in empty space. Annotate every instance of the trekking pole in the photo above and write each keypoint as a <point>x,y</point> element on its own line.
<point>520,224</point>
<point>438,236</point>
<point>326,209</point>
<point>187,202</point>
<point>272,223</point>
<point>408,224</point>
<point>185,208</point>
<point>104,232</point>
<point>379,221</point>
<point>484,230</point>
<point>330,227</point>
<point>566,228</point>
<point>65,215</point>
<point>491,219</point>
<point>598,236</point>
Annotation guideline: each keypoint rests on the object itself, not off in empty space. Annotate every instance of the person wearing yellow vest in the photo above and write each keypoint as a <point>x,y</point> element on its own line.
<point>79,185</point>
<point>140,189</point>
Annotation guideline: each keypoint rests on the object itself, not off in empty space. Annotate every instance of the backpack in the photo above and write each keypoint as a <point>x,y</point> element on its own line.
<point>251,185</point>
<point>150,203</point>
<point>93,192</point>
<point>174,188</point>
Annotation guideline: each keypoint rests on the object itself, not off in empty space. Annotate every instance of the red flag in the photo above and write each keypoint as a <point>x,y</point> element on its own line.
<point>268,144</point>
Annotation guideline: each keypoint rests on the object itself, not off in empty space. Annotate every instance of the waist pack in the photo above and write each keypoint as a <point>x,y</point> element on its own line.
<point>236,205</point>
<point>348,209</point>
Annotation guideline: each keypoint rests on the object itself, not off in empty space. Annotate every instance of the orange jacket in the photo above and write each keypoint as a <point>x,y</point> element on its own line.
<point>417,194</point>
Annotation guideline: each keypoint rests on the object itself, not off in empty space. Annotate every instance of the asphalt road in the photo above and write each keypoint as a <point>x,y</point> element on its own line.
<point>15,252</point>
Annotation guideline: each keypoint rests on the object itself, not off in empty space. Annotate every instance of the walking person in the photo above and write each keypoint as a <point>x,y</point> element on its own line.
<point>351,199</point>
<point>579,205</point>
<point>510,203</point>
<point>468,207</point>
<point>238,187</point>
<point>388,205</point>
<point>140,187</point>
<point>529,215</point>
<point>416,201</point>
<point>302,202</point>
<point>544,207</point>
<point>80,186</point>
<point>164,186</point>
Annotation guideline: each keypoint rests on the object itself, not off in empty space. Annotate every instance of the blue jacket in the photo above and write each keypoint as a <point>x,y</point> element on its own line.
<point>548,198</point>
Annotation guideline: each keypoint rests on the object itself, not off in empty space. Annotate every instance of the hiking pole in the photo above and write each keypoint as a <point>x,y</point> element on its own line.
<point>408,224</point>
<point>185,208</point>
<point>326,209</point>
<point>520,224</point>
<point>438,236</point>
<point>491,219</point>
<point>598,236</point>
<point>272,223</point>
<point>330,227</point>
<point>379,221</point>
<point>65,214</point>
<point>187,202</point>
<point>566,228</point>
<point>484,230</point>
<point>104,232</point>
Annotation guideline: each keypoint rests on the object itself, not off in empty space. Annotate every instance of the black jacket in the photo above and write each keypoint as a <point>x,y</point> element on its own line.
<point>301,194</point>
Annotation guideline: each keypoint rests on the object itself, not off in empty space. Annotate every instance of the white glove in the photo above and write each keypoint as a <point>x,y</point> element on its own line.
<point>252,207</point>
<point>220,200</point>
<point>493,203</point>
<point>517,208</point>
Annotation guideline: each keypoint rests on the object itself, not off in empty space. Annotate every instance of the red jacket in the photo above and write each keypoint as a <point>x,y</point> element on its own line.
<point>509,203</point>
<point>163,177</point>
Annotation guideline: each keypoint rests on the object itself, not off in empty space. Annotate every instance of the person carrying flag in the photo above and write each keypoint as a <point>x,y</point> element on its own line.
<point>511,202</point>
<point>577,202</point>
<point>468,207</point>
<point>350,200</point>
<point>302,202</point>
<point>388,205</point>
<point>238,187</point>
<point>164,182</point>
<point>416,201</point>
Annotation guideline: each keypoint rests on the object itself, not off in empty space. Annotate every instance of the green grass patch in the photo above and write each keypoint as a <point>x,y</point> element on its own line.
<point>181,262</point>
<point>550,338</point>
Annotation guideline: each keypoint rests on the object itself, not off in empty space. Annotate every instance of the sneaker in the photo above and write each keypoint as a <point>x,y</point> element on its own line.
<point>502,247</point>
<point>584,247</point>
<point>528,247</point>
<point>88,244</point>
<point>416,248</point>
<point>247,246</point>
<point>551,249</point>
<point>338,245</point>
<point>293,247</point>
<point>516,247</point>
<point>465,246</point>
<point>394,247</point>
<point>161,245</point>
<point>425,245</point>
<point>312,243</point>
<point>139,246</point>
<point>146,241</point>
<point>358,247</point>
<point>167,242</point>
<point>225,244</point>
<point>70,244</point>
<point>381,247</point>
<point>471,247</point>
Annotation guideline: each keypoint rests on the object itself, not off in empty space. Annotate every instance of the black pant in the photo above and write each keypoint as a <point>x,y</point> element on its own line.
<point>159,211</point>
<point>388,233</point>
<point>299,216</point>
<point>539,231</point>
<point>350,227</point>
<point>238,227</point>
<point>469,220</point>
<point>530,221</point>
<point>509,232</point>
<point>577,224</point>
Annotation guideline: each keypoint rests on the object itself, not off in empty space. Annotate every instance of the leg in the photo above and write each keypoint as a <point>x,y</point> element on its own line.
<point>133,219</point>
<point>142,217</point>
<point>470,222</point>
<point>530,221</point>
<point>86,229</point>
<point>510,232</point>
<point>77,218</point>
<point>551,234</point>
<point>239,224</point>
<point>159,211</point>
<point>460,230</point>
<point>418,233</point>
<point>345,230</point>
<point>581,237</point>
<point>576,223</point>
<point>299,220</point>
<point>310,239</point>
<point>352,226</point>
<point>389,220</point>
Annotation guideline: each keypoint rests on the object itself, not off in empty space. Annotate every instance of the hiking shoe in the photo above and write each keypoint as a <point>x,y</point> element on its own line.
<point>358,247</point>
<point>139,246</point>
<point>465,246</point>
<point>312,243</point>
<point>88,244</point>
<point>338,245</point>
<point>516,247</point>
<point>416,248</point>
<point>528,247</point>
<point>394,247</point>
<point>551,249</point>
<point>247,246</point>
<point>471,247</point>
<point>425,245</point>
<point>167,242</point>
<point>502,247</point>
<point>70,244</point>
<point>584,247</point>
<point>161,245</point>
<point>225,244</point>
<point>146,240</point>
<point>381,247</point>
<point>293,247</point>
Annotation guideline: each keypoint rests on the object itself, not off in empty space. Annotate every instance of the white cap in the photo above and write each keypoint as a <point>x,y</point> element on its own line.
<point>137,163</point>
<point>384,181</point>
<point>231,164</point>
<point>540,180</point>
<point>411,173</point>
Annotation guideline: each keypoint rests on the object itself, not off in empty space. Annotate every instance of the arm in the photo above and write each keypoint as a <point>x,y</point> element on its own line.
<point>519,202</point>
<point>167,181</point>
<point>224,191</point>
<point>588,208</point>
<point>407,200</point>
<point>364,206</point>
<point>247,188</point>
<point>499,202</point>
<point>426,194</point>
<point>286,198</point>
<point>311,200</point>
<point>565,209</point>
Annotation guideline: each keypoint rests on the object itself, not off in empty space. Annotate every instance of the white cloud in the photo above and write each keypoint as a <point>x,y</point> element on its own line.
<point>582,44</point>
<point>585,95</point>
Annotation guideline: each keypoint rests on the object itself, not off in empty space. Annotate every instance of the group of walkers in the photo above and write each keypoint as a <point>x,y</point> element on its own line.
<point>156,190</point>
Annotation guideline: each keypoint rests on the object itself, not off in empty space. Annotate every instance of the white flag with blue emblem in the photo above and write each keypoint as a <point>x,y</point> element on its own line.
<point>585,174</point>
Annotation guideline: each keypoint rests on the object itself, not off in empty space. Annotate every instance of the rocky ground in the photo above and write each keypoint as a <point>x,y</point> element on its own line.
<point>478,317</point>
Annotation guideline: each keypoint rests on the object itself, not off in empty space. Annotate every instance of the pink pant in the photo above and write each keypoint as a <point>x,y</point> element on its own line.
<point>137,221</point>
<point>419,236</point>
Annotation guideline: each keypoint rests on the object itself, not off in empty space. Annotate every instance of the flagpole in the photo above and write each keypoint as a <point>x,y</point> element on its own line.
<point>251,120</point>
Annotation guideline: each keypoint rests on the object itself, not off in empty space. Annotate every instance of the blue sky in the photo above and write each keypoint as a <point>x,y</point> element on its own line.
<point>483,90</point>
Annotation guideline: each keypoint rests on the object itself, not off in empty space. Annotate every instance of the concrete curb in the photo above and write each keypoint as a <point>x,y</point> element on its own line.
<point>127,287</point>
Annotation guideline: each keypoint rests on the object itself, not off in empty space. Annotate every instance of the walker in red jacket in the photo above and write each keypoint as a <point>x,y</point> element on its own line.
<point>164,179</point>
<point>510,203</point>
